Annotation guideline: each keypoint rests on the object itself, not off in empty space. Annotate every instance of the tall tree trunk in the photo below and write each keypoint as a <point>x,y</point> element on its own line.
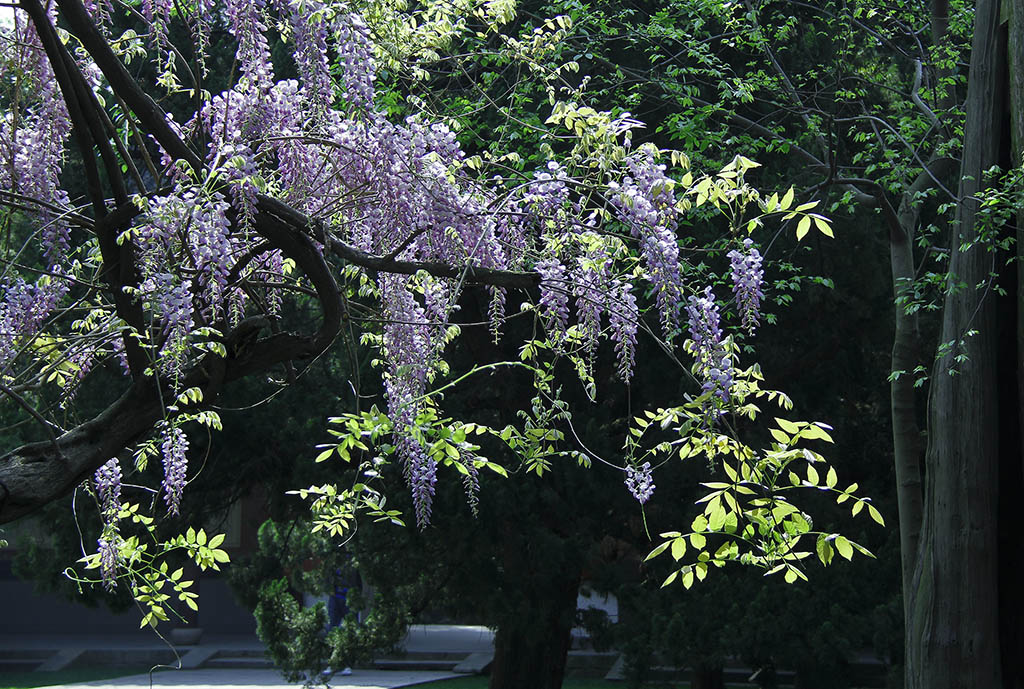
<point>1012,647</point>
<point>906,435</point>
<point>531,652</point>
<point>707,677</point>
<point>953,631</point>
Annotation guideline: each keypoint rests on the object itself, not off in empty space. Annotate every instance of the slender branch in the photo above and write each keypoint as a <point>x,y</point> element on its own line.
<point>916,97</point>
<point>35,414</point>
<point>150,115</point>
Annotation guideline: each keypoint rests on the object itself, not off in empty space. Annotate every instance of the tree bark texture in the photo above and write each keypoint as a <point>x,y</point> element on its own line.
<point>1012,605</point>
<point>906,434</point>
<point>707,677</point>
<point>953,635</point>
<point>531,653</point>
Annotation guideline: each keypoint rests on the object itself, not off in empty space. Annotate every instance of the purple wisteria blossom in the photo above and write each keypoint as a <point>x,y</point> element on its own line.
<point>624,318</point>
<point>174,450</point>
<point>108,563</point>
<point>713,365</point>
<point>647,205</point>
<point>640,482</point>
<point>108,489</point>
<point>554,295</point>
<point>248,25</point>
<point>471,484</point>
<point>747,277</point>
<point>590,286</point>
<point>548,191</point>
<point>309,32</point>
<point>355,48</point>
<point>407,345</point>
<point>24,308</point>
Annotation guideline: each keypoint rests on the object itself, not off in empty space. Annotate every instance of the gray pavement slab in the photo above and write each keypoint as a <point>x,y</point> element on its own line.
<point>448,638</point>
<point>475,663</point>
<point>265,679</point>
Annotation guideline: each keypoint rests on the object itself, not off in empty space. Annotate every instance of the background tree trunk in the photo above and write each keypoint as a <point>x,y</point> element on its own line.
<point>708,677</point>
<point>531,652</point>
<point>1012,562</point>
<point>953,632</point>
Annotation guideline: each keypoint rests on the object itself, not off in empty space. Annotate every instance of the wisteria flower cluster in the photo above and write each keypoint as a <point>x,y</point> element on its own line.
<point>647,205</point>
<point>640,482</point>
<point>712,363</point>
<point>108,488</point>
<point>174,450</point>
<point>747,277</point>
<point>108,562</point>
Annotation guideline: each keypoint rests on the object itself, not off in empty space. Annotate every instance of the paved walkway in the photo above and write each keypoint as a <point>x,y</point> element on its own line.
<point>459,639</point>
<point>271,679</point>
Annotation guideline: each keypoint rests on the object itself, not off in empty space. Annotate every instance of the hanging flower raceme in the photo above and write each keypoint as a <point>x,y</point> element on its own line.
<point>108,562</point>
<point>624,319</point>
<point>248,25</point>
<point>547,192</point>
<point>747,277</point>
<point>108,489</point>
<point>355,53</point>
<point>640,482</point>
<point>554,295</point>
<point>172,302</point>
<point>309,32</point>
<point>174,450</point>
<point>647,205</point>
<point>24,307</point>
<point>713,365</point>
<point>410,356</point>
<point>591,289</point>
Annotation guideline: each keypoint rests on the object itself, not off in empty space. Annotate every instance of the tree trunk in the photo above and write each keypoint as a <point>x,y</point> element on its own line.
<point>531,652</point>
<point>953,631</point>
<point>1012,560</point>
<point>708,677</point>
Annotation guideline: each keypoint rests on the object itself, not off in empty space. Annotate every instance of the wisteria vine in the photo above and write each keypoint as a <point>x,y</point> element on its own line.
<point>271,180</point>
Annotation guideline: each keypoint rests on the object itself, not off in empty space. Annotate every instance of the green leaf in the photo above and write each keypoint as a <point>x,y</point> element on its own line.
<point>802,227</point>
<point>816,431</point>
<point>832,478</point>
<point>875,514</point>
<point>787,425</point>
<point>824,549</point>
<point>678,549</point>
<point>657,551</point>
<point>844,547</point>
<point>787,200</point>
<point>823,225</point>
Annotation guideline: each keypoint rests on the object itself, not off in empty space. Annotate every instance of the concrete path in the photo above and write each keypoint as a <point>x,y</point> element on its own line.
<point>265,679</point>
<point>472,641</point>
